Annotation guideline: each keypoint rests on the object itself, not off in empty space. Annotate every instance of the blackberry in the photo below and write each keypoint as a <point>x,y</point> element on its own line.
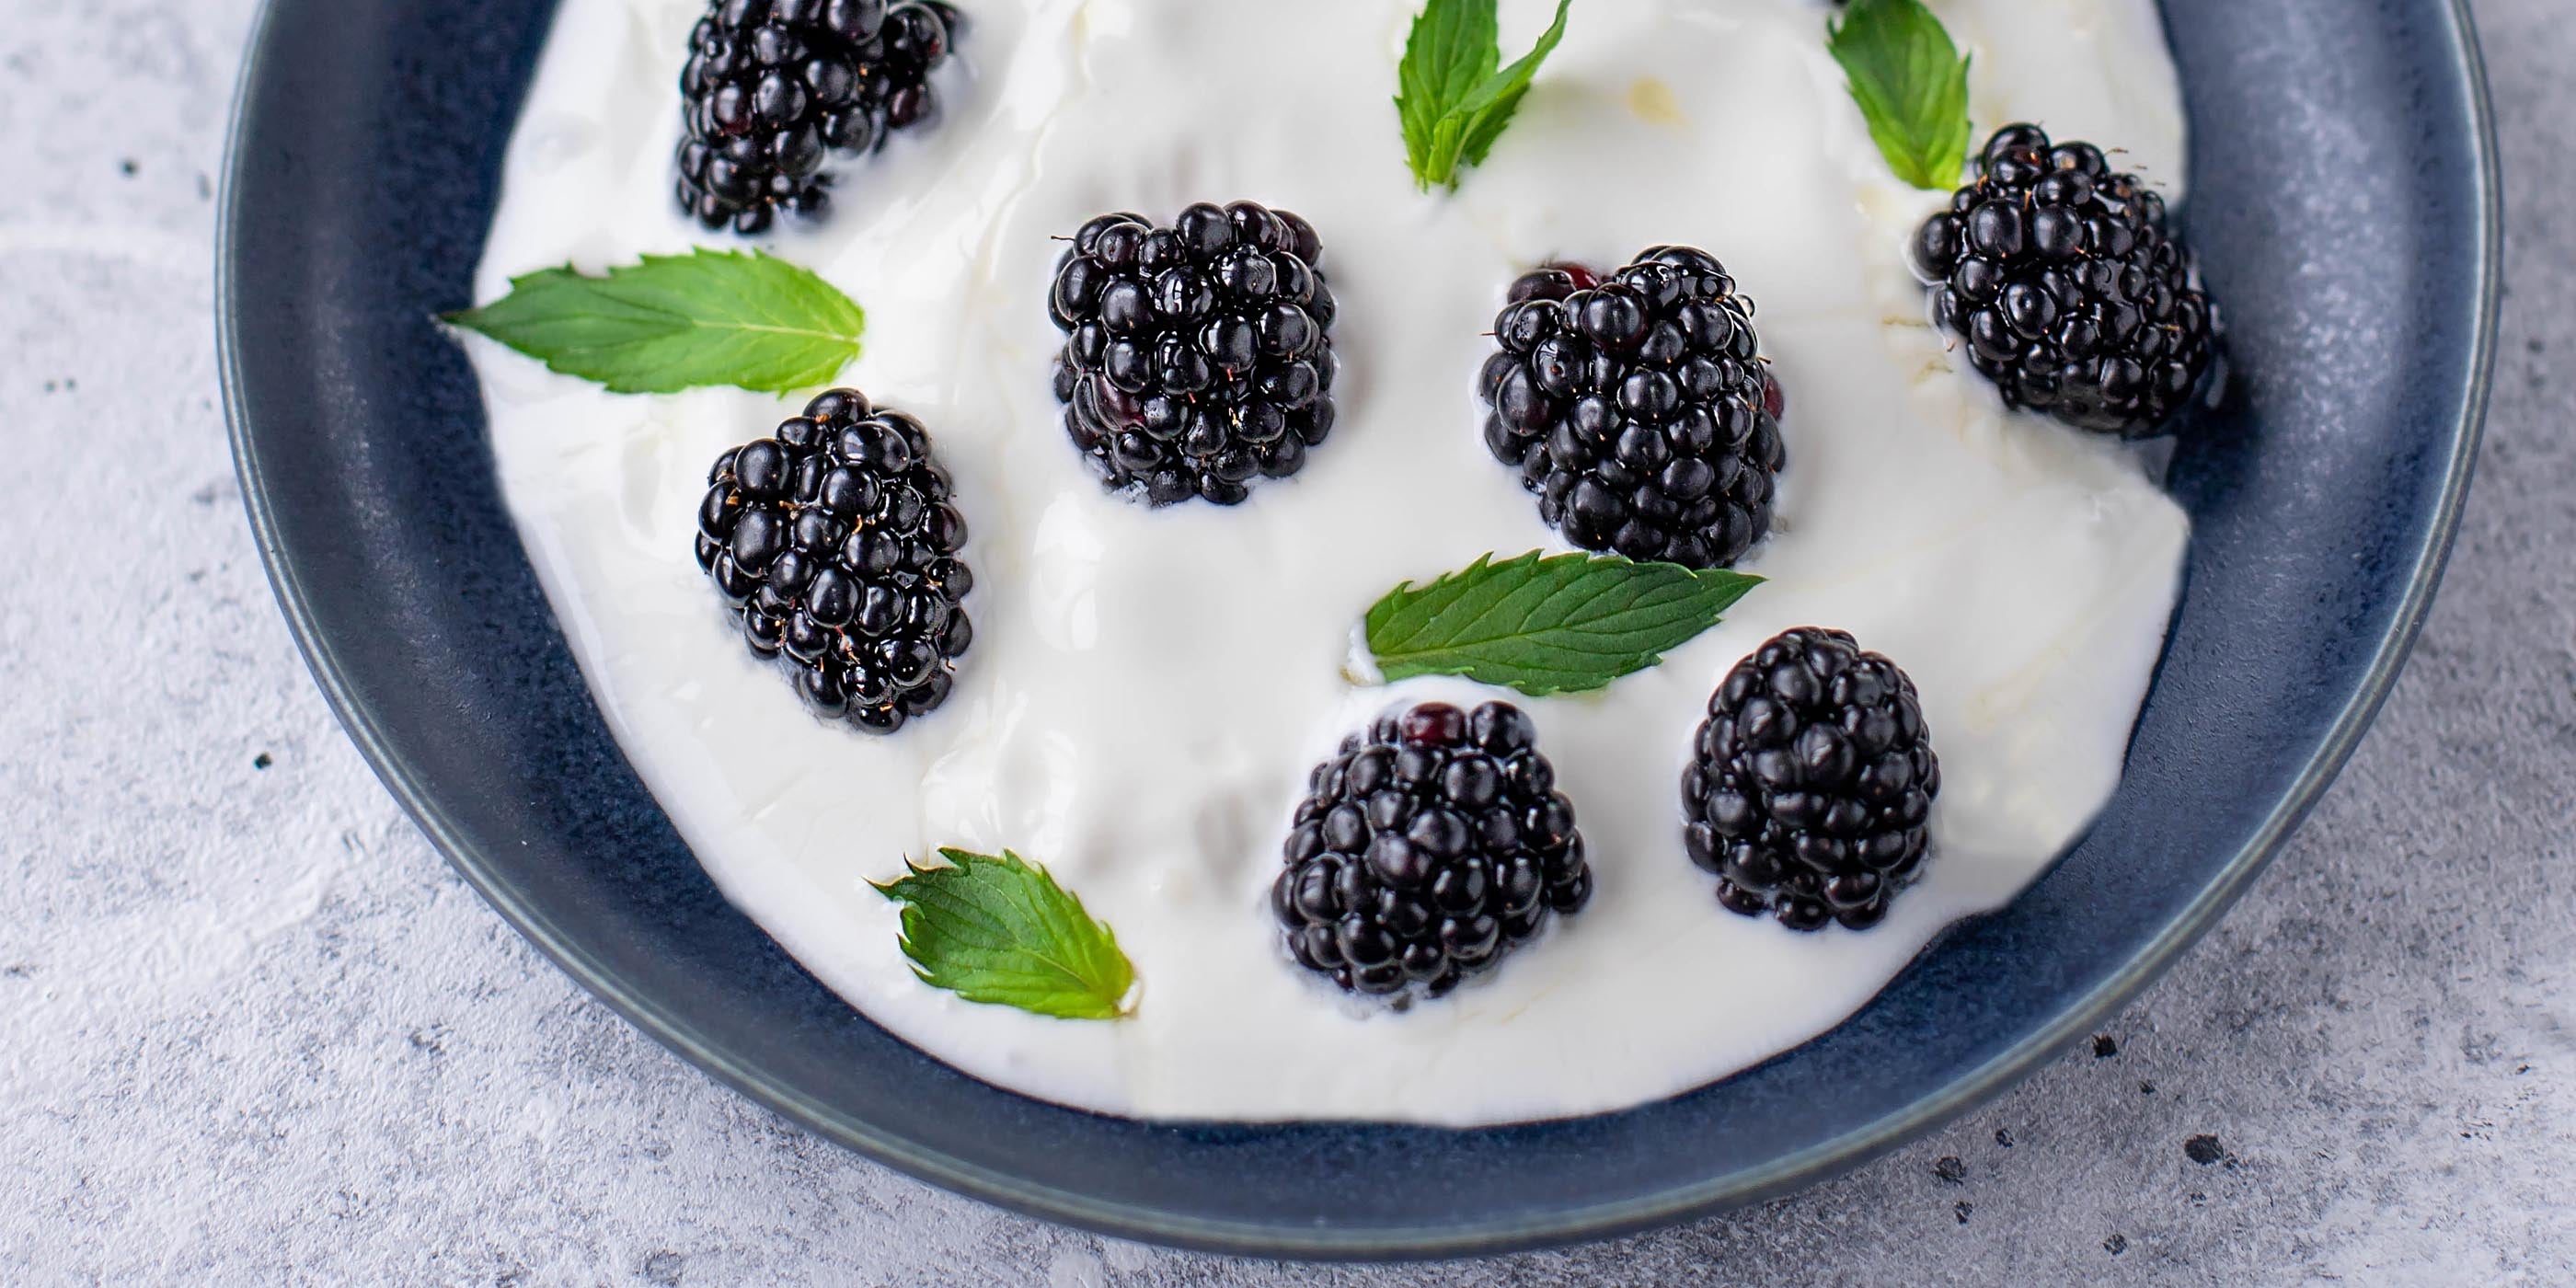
<point>1810,782</point>
<point>1639,409</point>
<point>835,541</point>
<point>772,86</point>
<point>1426,850</point>
<point>2071,293</point>
<point>1197,357</point>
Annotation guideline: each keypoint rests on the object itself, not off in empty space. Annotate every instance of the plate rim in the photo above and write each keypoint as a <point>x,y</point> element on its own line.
<point>368,730</point>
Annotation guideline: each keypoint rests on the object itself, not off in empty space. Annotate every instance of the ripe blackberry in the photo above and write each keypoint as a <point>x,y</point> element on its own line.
<point>1809,783</point>
<point>1639,409</point>
<point>1199,356</point>
<point>1426,850</point>
<point>835,541</point>
<point>2071,293</point>
<point>771,86</point>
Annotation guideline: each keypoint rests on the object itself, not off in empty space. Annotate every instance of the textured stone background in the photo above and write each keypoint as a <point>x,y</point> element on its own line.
<point>252,1031</point>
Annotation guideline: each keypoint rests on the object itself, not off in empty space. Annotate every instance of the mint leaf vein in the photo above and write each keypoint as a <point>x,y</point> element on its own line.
<point>1547,624</point>
<point>1001,931</point>
<point>673,322</point>
<point>1911,84</point>
<point>1453,95</point>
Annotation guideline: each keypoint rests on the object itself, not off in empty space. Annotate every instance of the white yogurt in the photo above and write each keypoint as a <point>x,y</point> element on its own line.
<point>1148,688</point>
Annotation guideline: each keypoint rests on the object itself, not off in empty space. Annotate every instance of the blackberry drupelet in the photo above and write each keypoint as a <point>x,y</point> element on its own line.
<point>1639,409</point>
<point>2068,288</point>
<point>772,86</point>
<point>1198,357</point>
<point>1810,782</point>
<point>835,541</point>
<point>1426,850</point>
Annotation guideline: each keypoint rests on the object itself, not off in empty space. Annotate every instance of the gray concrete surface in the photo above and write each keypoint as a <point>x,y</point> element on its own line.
<point>253,1032</point>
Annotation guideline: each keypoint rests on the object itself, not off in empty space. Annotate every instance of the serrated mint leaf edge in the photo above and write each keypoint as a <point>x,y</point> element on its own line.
<point>1587,660</point>
<point>1411,607</point>
<point>1453,112</point>
<point>978,955</point>
<point>1887,48</point>
<point>1092,978</point>
<point>1493,104</point>
<point>1066,962</point>
<point>771,296</point>
<point>1452,47</point>
<point>753,294</point>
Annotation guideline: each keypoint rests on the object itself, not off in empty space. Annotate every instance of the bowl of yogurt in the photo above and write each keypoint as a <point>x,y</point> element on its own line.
<point>2138,663</point>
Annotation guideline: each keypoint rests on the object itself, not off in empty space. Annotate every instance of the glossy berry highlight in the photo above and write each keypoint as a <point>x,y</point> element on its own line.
<point>1198,355</point>
<point>1811,783</point>
<point>2068,288</point>
<point>1638,408</point>
<point>1426,850</point>
<point>835,543</point>
<point>774,88</point>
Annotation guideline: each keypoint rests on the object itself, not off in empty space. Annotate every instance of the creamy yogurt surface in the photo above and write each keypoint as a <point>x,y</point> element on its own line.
<point>1148,688</point>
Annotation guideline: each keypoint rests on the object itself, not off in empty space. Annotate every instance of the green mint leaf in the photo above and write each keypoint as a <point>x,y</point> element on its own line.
<point>1912,87</point>
<point>1453,47</point>
<point>1490,108</point>
<point>1559,624</point>
<point>1003,932</point>
<point>672,322</point>
<point>1453,95</point>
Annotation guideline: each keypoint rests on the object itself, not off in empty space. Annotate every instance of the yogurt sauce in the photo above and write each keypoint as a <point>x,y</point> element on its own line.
<point>1148,688</point>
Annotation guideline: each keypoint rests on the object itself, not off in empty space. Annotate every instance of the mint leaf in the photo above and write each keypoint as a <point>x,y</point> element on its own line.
<point>1003,932</point>
<point>1454,46</point>
<point>672,322</point>
<point>1490,108</point>
<point>1559,624</point>
<point>1911,84</point>
<point>1451,98</point>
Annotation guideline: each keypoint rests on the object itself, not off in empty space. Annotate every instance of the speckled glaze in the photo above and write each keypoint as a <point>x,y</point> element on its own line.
<point>2323,498</point>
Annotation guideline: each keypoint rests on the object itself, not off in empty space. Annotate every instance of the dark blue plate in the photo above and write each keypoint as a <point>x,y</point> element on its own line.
<point>2343,198</point>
